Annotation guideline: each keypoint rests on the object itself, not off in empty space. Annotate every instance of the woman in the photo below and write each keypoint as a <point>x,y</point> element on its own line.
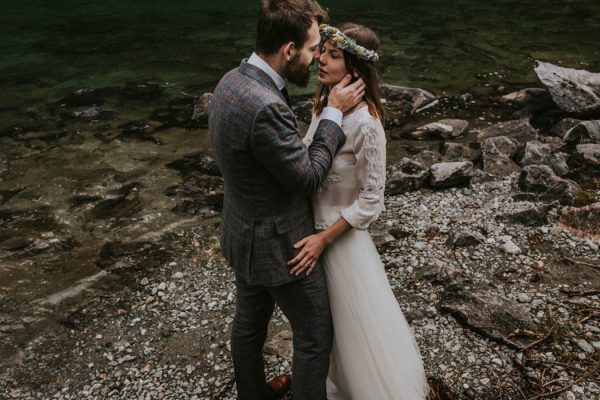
<point>374,354</point>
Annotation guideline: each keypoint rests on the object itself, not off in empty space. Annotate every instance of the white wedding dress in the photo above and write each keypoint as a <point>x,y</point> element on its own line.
<point>374,354</point>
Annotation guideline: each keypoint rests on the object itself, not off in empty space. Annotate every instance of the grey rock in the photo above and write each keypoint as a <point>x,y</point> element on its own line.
<point>561,128</point>
<point>546,185</point>
<point>573,90</point>
<point>586,131</point>
<point>534,152</point>
<point>452,151</point>
<point>492,316</point>
<point>416,97</point>
<point>200,111</point>
<point>466,238</point>
<point>532,216</point>
<point>405,176</point>
<point>588,155</point>
<point>510,248</point>
<point>427,158</point>
<point>497,153</point>
<point>444,129</point>
<point>519,130</point>
<point>585,346</point>
<point>451,174</point>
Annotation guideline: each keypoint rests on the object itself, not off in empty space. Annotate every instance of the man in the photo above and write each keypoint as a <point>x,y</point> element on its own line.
<point>269,176</point>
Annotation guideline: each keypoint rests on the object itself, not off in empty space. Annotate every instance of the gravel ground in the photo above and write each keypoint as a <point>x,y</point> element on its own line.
<point>160,329</point>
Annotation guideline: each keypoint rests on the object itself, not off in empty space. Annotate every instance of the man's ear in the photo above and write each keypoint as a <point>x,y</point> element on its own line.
<point>289,49</point>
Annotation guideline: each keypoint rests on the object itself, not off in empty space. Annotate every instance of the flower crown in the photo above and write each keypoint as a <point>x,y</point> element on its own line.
<point>343,42</point>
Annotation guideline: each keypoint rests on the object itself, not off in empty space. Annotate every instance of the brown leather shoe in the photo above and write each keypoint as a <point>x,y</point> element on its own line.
<point>278,387</point>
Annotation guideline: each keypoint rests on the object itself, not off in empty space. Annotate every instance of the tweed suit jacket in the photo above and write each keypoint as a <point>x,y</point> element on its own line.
<point>269,174</point>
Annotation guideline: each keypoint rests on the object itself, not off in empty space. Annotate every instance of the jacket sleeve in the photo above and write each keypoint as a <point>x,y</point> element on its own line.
<point>369,150</point>
<point>276,144</point>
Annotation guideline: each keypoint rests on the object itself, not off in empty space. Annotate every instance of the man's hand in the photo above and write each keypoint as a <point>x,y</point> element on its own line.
<point>346,95</point>
<point>312,247</point>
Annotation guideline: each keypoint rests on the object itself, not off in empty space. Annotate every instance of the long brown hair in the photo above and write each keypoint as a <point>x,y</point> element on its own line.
<point>365,69</point>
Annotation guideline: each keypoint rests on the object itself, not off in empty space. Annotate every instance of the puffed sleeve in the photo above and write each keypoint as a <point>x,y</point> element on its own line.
<point>369,150</point>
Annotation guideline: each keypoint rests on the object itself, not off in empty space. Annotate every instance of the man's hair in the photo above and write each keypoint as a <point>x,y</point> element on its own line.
<point>283,21</point>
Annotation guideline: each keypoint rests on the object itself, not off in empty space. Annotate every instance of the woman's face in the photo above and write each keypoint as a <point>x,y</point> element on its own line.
<point>332,67</point>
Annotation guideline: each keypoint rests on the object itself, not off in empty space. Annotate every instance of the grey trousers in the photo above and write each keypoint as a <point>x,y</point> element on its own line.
<point>305,303</point>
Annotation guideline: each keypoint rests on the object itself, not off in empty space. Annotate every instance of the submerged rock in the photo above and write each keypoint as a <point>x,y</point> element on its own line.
<point>573,90</point>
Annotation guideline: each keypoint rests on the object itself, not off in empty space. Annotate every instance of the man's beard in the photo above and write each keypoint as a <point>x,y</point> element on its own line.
<point>296,72</point>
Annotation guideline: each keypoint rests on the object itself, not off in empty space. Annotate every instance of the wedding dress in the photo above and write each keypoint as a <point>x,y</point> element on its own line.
<point>374,354</point>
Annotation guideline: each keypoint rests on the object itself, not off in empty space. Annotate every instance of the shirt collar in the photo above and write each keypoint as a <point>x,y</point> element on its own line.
<point>262,64</point>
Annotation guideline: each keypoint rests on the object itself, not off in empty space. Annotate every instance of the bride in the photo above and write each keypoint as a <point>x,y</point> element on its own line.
<point>374,353</point>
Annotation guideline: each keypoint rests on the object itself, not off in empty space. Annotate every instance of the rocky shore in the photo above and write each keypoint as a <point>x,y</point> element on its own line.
<point>113,285</point>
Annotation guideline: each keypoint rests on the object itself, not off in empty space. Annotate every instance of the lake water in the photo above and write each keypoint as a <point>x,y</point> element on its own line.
<point>48,48</point>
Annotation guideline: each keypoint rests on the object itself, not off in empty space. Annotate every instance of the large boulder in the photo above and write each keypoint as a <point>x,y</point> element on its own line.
<point>448,174</point>
<point>405,176</point>
<point>488,314</point>
<point>538,153</point>
<point>545,185</point>
<point>586,131</point>
<point>573,90</point>
<point>497,153</point>
<point>520,130</point>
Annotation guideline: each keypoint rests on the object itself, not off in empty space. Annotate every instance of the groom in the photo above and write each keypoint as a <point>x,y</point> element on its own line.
<point>269,177</point>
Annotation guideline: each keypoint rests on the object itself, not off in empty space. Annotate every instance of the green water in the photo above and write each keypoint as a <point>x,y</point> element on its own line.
<point>49,48</point>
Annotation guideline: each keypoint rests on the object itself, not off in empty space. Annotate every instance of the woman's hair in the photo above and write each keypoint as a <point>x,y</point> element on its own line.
<point>365,69</point>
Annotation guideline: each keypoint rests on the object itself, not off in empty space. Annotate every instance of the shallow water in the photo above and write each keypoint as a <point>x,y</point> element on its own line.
<point>50,48</point>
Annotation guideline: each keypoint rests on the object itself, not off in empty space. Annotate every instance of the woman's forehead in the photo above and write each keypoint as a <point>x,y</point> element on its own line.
<point>330,46</point>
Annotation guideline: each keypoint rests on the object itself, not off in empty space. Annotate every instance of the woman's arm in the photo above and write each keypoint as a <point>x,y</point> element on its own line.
<point>313,246</point>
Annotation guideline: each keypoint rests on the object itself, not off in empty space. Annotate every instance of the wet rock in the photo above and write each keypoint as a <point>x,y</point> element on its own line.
<point>461,152</point>
<point>586,131</point>
<point>200,113</point>
<point>532,216</point>
<point>415,97</point>
<point>465,238</point>
<point>561,128</point>
<point>185,111</point>
<point>88,113</point>
<point>142,90</point>
<point>588,155</point>
<point>573,90</point>
<point>490,315</point>
<point>85,97</point>
<point>123,203</point>
<point>136,130</point>
<point>451,174</point>
<point>497,153</point>
<point>194,164</point>
<point>525,97</point>
<point>519,130</point>
<point>427,158</point>
<point>15,243</point>
<point>543,182</point>
<point>405,176</point>
<point>444,129</point>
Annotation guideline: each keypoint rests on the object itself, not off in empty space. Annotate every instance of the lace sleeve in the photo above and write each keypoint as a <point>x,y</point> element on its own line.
<point>369,150</point>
